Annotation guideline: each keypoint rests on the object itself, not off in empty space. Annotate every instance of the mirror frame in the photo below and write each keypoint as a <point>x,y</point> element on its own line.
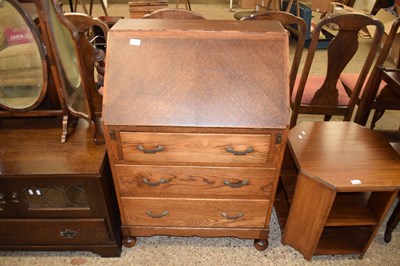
<point>45,20</point>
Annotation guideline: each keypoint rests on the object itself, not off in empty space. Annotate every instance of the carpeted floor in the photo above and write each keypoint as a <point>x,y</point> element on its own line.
<point>164,250</point>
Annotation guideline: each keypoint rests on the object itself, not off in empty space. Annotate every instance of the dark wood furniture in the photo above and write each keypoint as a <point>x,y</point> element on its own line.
<point>263,8</point>
<point>195,147</point>
<point>92,41</point>
<point>68,65</point>
<point>382,91</point>
<point>27,88</point>
<point>173,13</point>
<point>393,137</point>
<point>55,196</point>
<point>338,182</point>
<point>325,95</point>
<point>139,8</point>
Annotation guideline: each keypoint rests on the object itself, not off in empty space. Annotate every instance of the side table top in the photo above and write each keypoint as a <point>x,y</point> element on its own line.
<point>345,155</point>
<point>33,146</point>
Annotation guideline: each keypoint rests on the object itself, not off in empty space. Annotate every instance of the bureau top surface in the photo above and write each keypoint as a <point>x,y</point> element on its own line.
<point>345,155</point>
<point>198,73</point>
<point>33,147</point>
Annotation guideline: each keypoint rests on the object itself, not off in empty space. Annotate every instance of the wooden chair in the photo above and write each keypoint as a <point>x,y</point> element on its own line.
<point>93,38</point>
<point>296,26</point>
<point>383,86</point>
<point>173,13</point>
<point>278,3</point>
<point>325,95</point>
<point>393,137</point>
<point>393,221</point>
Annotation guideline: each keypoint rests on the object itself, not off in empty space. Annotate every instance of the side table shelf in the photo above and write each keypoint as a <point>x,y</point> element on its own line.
<point>327,204</point>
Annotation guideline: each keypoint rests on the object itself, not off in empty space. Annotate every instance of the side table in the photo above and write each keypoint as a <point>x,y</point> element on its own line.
<point>337,183</point>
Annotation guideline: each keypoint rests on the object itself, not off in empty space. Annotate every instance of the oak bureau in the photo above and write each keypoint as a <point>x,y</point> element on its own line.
<point>195,119</point>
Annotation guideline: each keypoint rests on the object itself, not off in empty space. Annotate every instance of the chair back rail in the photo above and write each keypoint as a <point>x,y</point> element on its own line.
<point>340,52</point>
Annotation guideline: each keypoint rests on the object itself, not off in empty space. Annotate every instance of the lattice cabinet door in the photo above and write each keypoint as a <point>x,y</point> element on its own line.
<point>51,198</point>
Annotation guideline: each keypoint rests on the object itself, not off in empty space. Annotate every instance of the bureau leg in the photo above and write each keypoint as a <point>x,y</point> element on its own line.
<point>129,241</point>
<point>261,244</point>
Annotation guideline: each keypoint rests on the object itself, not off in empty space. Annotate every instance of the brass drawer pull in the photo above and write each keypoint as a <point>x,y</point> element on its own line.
<point>164,213</point>
<point>154,184</point>
<point>14,198</point>
<point>157,149</point>
<point>236,185</point>
<point>68,233</point>
<point>231,150</point>
<point>241,214</point>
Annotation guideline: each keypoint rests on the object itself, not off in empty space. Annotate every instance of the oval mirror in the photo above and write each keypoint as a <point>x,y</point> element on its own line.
<point>23,67</point>
<point>65,45</point>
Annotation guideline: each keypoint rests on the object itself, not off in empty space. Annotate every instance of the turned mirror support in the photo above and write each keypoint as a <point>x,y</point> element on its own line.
<point>68,64</point>
<point>44,74</point>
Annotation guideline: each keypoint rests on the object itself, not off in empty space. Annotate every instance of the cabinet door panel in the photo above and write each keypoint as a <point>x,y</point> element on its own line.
<point>55,197</point>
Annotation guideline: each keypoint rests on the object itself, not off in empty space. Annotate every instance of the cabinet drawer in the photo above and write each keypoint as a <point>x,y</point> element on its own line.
<point>195,212</point>
<point>145,8</point>
<point>184,181</point>
<point>160,148</point>
<point>53,232</point>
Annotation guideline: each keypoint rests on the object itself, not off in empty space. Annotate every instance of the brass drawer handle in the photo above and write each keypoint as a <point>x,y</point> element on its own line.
<point>231,150</point>
<point>154,184</point>
<point>14,198</point>
<point>164,213</point>
<point>67,233</point>
<point>157,149</point>
<point>236,185</point>
<point>241,214</point>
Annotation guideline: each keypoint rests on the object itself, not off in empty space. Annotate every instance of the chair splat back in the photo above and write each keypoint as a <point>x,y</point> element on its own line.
<point>324,96</point>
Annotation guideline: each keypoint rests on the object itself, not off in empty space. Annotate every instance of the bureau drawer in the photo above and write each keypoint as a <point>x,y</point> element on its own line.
<point>184,181</point>
<point>195,212</point>
<point>217,149</point>
<point>53,232</point>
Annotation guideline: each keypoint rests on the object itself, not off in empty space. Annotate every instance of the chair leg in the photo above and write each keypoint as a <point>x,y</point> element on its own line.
<point>392,223</point>
<point>327,117</point>
<point>187,5</point>
<point>377,115</point>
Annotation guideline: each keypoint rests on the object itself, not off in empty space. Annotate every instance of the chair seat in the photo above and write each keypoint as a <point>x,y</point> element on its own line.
<point>313,84</point>
<point>350,79</point>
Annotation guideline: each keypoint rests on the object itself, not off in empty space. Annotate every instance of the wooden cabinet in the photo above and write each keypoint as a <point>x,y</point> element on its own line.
<point>138,8</point>
<point>56,196</point>
<point>195,123</point>
<point>338,182</point>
